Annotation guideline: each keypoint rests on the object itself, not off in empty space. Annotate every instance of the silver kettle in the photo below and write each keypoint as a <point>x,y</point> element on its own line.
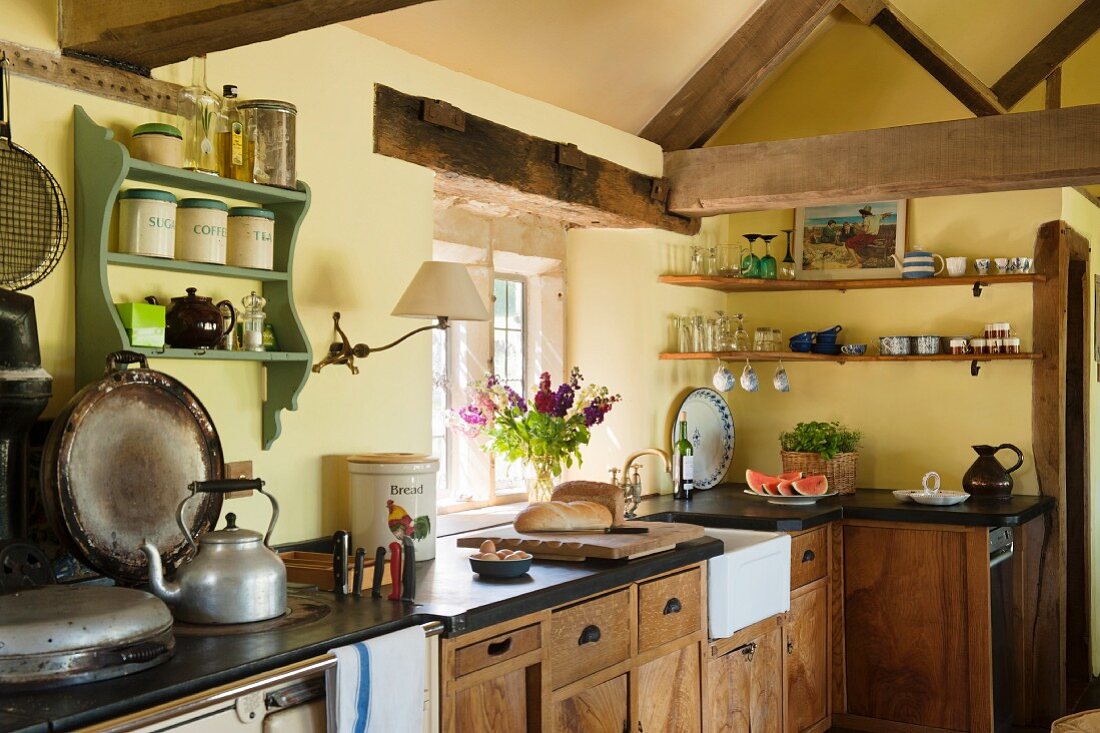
<point>233,577</point>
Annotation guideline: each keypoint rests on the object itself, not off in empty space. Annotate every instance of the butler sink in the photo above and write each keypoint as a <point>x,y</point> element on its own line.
<point>749,581</point>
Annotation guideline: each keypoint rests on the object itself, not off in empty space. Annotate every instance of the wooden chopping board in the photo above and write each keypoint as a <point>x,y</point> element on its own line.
<point>582,545</point>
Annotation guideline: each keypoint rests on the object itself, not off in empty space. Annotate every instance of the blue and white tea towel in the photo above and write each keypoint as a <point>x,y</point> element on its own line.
<point>378,685</point>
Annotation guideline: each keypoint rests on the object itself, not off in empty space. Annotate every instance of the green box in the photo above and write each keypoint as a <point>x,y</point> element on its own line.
<point>144,323</point>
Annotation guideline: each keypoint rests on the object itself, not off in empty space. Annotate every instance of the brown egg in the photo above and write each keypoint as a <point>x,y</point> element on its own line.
<point>488,546</point>
<point>520,555</point>
<point>504,554</point>
<point>488,556</point>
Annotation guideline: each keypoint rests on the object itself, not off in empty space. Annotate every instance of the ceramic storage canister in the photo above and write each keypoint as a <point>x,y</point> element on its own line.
<point>157,142</point>
<point>202,228</point>
<point>146,222</point>
<point>251,238</point>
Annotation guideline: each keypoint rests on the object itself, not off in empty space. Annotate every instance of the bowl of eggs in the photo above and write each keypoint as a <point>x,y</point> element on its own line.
<point>493,563</point>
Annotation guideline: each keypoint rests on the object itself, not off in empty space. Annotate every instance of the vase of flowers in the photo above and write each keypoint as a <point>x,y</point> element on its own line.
<point>547,433</point>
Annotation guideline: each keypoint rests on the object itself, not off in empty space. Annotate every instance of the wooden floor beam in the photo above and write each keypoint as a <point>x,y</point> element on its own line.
<point>1044,149</point>
<point>147,34</point>
<point>755,50</point>
<point>1049,53</point>
<point>481,160</point>
<point>933,57</point>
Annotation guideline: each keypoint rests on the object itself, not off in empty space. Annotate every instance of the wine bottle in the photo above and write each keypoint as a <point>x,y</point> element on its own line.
<point>683,463</point>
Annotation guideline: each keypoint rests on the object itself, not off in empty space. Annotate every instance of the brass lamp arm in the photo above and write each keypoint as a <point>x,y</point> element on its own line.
<point>342,352</point>
<point>441,323</point>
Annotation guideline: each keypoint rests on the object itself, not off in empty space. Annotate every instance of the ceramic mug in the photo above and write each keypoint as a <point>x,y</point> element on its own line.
<point>894,345</point>
<point>1020,265</point>
<point>982,265</point>
<point>956,266</point>
<point>1002,265</point>
<point>928,345</point>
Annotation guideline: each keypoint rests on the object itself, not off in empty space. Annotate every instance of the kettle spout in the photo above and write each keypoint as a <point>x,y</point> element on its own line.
<point>168,592</point>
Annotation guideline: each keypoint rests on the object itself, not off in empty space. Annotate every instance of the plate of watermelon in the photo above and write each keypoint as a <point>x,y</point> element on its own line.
<point>792,489</point>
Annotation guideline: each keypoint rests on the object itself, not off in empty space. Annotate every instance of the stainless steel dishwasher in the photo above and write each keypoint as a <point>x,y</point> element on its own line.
<point>1000,609</point>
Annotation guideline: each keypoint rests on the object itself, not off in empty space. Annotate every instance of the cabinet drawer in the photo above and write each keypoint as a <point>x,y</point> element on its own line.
<point>498,649</point>
<point>589,637</point>
<point>668,608</point>
<point>809,557</point>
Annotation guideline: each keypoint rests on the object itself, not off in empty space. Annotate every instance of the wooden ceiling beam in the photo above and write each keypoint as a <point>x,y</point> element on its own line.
<point>150,33</point>
<point>726,80</point>
<point>480,160</point>
<point>1044,149</point>
<point>933,57</point>
<point>1049,53</point>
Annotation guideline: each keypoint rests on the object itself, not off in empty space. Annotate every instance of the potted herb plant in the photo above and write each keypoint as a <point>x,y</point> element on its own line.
<point>827,448</point>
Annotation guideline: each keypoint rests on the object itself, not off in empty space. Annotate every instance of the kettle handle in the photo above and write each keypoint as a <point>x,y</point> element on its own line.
<point>225,486</point>
<point>1014,449</point>
<point>232,319</point>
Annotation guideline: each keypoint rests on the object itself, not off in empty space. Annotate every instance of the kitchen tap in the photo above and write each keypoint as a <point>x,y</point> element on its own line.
<point>646,451</point>
<point>631,482</point>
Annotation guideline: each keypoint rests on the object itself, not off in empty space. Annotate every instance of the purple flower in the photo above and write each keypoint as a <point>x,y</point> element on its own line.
<point>563,400</point>
<point>593,415</point>
<point>472,415</point>
<point>515,400</point>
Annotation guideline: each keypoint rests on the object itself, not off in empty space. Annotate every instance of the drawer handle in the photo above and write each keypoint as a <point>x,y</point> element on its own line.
<point>808,556</point>
<point>497,648</point>
<point>673,606</point>
<point>749,650</point>
<point>589,635</point>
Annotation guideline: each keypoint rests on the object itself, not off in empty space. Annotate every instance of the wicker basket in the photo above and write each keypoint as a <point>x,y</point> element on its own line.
<point>840,470</point>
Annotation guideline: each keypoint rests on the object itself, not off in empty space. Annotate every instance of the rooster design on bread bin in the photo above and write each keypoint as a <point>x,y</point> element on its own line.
<point>402,525</point>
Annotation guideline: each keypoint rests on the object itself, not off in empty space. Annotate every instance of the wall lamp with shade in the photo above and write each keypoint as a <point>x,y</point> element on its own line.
<point>439,290</point>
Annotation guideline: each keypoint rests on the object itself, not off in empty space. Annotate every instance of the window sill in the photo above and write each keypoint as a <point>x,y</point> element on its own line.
<point>475,519</point>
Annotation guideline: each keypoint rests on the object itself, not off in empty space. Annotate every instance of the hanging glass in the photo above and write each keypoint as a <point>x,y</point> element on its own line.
<point>768,265</point>
<point>750,263</point>
<point>786,267</point>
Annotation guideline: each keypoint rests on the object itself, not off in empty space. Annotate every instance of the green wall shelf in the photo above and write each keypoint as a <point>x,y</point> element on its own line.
<point>101,166</point>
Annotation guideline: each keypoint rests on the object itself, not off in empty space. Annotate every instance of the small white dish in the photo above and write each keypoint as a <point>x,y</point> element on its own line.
<point>791,500</point>
<point>939,498</point>
<point>902,495</point>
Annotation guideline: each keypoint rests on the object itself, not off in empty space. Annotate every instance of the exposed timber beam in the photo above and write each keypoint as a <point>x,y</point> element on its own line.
<point>150,33</point>
<point>1049,53</point>
<point>755,50</point>
<point>92,78</point>
<point>481,160</point>
<point>1044,149</point>
<point>933,57</point>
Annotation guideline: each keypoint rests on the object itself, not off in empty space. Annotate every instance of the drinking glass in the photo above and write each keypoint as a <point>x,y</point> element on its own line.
<point>786,267</point>
<point>777,340</point>
<point>698,333</point>
<point>674,333</point>
<point>762,339</point>
<point>696,261</point>
<point>768,265</point>
<point>750,263</point>
<point>710,264</point>
<point>741,340</point>
<point>685,340</point>
<point>725,332</point>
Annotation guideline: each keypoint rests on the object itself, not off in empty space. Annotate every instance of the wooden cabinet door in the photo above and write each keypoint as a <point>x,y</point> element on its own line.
<point>668,693</point>
<point>746,687</point>
<point>808,657</point>
<point>599,709</point>
<point>497,704</point>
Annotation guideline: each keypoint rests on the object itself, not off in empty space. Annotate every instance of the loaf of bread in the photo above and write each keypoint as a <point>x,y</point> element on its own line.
<point>560,516</point>
<point>609,495</point>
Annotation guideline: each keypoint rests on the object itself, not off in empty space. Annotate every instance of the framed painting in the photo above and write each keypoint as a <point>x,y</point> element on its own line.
<point>849,241</point>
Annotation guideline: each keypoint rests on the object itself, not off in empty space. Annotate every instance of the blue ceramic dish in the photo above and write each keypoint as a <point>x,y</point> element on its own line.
<point>806,336</point>
<point>801,346</point>
<point>854,349</point>
<point>501,568</point>
<point>830,349</point>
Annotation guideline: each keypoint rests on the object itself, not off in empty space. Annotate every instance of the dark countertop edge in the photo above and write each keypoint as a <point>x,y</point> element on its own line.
<point>944,515</point>
<point>129,705</point>
<point>618,573</point>
<point>761,524</point>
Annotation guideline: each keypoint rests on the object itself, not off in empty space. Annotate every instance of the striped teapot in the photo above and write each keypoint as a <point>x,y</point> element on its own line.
<point>918,264</point>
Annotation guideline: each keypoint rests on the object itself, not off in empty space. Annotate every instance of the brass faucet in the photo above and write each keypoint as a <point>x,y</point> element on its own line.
<point>631,482</point>
<point>647,451</point>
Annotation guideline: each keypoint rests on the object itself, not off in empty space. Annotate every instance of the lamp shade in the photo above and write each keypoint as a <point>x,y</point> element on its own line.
<point>442,289</point>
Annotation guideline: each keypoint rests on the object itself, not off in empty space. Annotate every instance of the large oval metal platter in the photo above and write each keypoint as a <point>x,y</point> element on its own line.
<point>711,433</point>
<point>117,463</point>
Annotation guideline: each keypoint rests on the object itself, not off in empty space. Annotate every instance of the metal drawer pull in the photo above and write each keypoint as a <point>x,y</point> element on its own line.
<point>673,606</point>
<point>496,648</point>
<point>790,647</point>
<point>749,650</point>
<point>808,556</point>
<point>589,635</point>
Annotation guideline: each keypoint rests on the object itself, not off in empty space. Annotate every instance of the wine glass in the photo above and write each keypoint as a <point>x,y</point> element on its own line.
<point>768,265</point>
<point>750,263</point>
<point>741,340</point>
<point>786,267</point>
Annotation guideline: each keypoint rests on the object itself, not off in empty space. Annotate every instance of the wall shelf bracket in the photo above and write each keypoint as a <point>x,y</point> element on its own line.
<point>974,368</point>
<point>978,285</point>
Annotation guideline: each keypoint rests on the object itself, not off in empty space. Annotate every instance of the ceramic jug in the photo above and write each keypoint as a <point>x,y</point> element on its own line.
<point>986,477</point>
<point>918,264</point>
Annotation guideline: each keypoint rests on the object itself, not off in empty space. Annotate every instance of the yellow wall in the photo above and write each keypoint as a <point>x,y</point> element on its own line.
<point>369,228</point>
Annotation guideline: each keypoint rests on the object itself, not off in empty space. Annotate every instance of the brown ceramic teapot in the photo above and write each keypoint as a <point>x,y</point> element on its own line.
<point>195,322</point>
<point>986,477</point>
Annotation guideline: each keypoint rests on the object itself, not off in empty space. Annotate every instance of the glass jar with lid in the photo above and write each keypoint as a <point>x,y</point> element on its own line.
<point>269,128</point>
<point>252,322</point>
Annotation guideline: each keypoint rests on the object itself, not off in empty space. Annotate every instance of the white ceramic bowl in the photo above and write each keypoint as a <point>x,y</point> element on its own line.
<point>902,495</point>
<point>940,498</point>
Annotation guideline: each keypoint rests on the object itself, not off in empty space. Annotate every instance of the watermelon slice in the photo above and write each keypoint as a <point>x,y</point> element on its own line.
<point>757,481</point>
<point>791,475</point>
<point>772,487</point>
<point>786,487</point>
<point>811,485</point>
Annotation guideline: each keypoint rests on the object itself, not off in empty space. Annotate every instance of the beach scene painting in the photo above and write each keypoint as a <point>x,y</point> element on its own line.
<point>849,241</point>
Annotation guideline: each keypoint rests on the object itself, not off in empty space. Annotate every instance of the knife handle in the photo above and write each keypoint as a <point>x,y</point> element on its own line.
<point>408,579</point>
<point>379,569</point>
<point>395,571</point>
<point>340,562</point>
<point>357,579</point>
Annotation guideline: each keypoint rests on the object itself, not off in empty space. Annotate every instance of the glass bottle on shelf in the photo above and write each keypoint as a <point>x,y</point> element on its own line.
<point>750,263</point>
<point>252,322</point>
<point>199,110</point>
<point>230,138</point>
<point>786,267</point>
<point>696,261</point>
<point>740,341</point>
<point>768,266</point>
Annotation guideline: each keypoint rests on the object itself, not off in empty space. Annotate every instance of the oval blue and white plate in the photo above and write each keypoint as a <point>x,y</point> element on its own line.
<point>711,432</point>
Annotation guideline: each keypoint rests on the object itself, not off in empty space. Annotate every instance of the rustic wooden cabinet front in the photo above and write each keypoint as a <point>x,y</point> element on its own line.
<point>603,708</point>
<point>808,659</point>
<point>745,683</point>
<point>668,693</point>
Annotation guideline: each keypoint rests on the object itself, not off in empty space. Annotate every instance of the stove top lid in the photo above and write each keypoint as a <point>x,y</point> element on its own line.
<point>60,619</point>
